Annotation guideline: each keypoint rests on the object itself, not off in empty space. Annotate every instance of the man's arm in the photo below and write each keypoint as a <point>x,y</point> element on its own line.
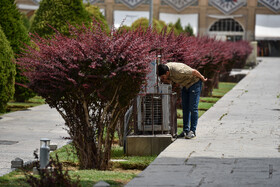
<point>197,74</point>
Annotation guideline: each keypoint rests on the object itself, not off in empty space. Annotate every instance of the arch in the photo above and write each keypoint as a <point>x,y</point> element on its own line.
<point>226,25</point>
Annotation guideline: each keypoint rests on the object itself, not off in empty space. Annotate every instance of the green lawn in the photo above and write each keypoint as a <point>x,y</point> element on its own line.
<point>87,178</point>
<point>208,99</point>
<point>123,168</point>
<point>67,154</point>
<point>15,178</point>
<point>204,105</point>
<point>224,87</point>
<point>13,106</point>
<point>121,172</point>
<point>115,178</point>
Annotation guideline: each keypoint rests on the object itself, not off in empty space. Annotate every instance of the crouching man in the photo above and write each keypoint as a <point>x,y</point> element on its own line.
<point>190,80</point>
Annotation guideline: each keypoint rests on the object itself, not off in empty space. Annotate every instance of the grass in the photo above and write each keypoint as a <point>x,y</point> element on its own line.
<point>180,119</point>
<point>68,155</point>
<point>13,106</point>
<point>86,177</point>
<point>121,171</point>
<point>209,99</point>
<point>204,105</point>
<point>131,162</point>
<point>90,177</point>
<point>15,178</point>
<point>224,87</point>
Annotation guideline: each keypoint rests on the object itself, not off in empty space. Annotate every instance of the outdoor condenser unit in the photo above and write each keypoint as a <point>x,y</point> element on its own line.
<point>155,110</point>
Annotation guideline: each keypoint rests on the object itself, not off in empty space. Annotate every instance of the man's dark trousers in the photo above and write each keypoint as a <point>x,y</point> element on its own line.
<point>190,100</point>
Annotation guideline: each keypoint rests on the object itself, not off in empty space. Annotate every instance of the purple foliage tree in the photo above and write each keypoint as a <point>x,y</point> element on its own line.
<point>89,77</point>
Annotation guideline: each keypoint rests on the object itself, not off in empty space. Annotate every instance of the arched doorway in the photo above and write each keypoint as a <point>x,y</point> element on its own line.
<point>226,29</point>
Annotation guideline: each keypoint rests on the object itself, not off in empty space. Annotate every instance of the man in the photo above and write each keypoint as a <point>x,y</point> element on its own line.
<point>190,80</point>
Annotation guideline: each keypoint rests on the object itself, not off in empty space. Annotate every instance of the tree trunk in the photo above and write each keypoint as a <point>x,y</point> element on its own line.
<point>207,89</point>
<point>216,81</point>
<point>120,130</point>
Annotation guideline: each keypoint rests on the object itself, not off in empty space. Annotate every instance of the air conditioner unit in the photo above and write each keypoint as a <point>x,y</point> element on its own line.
<point>155,111</point>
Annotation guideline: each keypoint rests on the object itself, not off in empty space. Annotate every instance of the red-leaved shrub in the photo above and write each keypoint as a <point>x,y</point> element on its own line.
<point>90,77</point>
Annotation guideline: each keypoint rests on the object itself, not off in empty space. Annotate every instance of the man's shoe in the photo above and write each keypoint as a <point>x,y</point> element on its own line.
<point>190,135</point>
<point>183,134</point>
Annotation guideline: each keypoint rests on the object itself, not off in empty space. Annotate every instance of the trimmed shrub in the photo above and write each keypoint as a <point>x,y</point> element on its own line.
<point>90,77</point>
<point>189,30</point>
<point>241,50</point>
<point>144,23</point>
<point>26,21</point>
<point>58,14</point>
<point>178,28</point>
<point>16,33</point>
<point>124,28</point>
<point>95,13</point>
<point>7,72</point>
<point>12,25</point>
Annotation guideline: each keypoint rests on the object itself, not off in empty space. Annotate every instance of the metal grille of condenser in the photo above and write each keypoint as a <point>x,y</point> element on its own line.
<point>151,110</point>
<point>156,112</point>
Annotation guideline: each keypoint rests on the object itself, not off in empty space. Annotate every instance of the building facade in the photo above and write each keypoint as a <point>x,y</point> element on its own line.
<point>252,20</point>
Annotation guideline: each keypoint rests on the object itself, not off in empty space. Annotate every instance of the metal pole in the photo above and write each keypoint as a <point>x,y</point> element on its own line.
<point>151,14</point>
<point>153,113</point>
<point>44,152</point>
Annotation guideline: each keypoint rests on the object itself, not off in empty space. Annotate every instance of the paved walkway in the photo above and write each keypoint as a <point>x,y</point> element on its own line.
<point>20,134</point>
<point>238,140</point>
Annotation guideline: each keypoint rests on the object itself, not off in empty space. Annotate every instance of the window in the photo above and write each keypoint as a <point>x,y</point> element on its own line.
<point>224,25</point>
<point>234,38</point>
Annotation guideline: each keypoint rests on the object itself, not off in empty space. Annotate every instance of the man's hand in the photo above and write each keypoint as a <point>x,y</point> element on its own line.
<point>204,79</point>
<point>197,74</point>
<point>175,87</point>
<point>165,78</point>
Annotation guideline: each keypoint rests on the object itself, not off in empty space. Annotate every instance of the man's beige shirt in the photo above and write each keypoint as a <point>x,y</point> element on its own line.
<point>181,74</point>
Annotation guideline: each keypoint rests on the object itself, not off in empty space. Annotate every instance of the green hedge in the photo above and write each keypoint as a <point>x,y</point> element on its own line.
<point>95,13</point>
<point>16,33</point>
<point>7,72</point>
<point>144,23</point>
<point>57,14</point>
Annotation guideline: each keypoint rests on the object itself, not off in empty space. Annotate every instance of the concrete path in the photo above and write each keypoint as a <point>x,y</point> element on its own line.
<point>20,134</point>
<point>238,140</point>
